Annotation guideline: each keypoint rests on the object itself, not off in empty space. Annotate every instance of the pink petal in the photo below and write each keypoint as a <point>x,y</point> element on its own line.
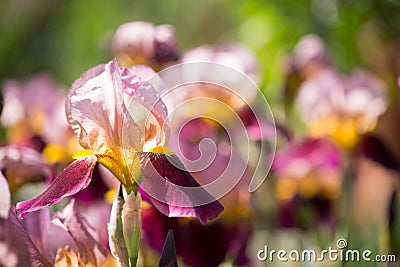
<point>71,180</point>
<point>37,225</point>
<point>95,110</point>
<point>160,177</point>
<point>72,220</point>
<point>138,82</point>
<point>5,199</point>
<point>308,154</point>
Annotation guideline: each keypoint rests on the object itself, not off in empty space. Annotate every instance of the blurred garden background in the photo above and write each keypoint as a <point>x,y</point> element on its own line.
<point>350,187</point>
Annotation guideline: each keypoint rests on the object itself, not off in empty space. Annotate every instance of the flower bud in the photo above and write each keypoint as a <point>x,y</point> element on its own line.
<point>115,231</point>
<point>131,223</point>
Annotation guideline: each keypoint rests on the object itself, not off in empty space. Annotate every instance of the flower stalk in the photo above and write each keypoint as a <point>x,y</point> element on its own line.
<point>124,228</point>
<point>131,225</point>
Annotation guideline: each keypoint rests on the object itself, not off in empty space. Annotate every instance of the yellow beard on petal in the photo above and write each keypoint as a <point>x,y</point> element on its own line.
<point>83,153</point>
<point>161,150</point>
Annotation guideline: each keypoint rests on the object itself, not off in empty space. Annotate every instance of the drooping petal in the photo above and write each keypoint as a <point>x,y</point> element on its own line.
<point>169,186</point>
<point>90,250</point>
<point>5,199</point>
<point>38,226</point>
<point>95,110</point>
<point>36,257</point>
<point>71,180</point>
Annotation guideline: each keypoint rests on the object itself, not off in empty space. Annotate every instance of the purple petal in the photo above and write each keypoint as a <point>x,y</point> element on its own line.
<point>38,226</point>
<point>308,154</point>
<point>140,42</point>
<point>233,55</point>
<point>310,50</point>
<point>36,258</point>
<point>5,199</point>
<point>22,164</point>
<point>71,219</point>
<point>71,180</point>
<point>171,188</point>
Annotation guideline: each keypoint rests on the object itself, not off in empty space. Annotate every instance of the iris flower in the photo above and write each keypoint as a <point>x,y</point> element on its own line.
<point>19,165</point>
<point>96,109</point>
<point>141,42</point>
<point>309,175</point>
<point>342,107</point>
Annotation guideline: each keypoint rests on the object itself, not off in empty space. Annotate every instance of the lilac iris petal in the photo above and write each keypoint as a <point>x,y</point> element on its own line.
<point>71,180</point>
<point>38,226</point>
<point>155,165</point>
<point>90,250</point>
<point>36,257</point>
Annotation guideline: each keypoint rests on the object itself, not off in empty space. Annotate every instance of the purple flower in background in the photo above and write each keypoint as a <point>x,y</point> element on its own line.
<point>141,42</point>
<point>341,107</point>
<point>308,173</point>
<point>309,168</point>
<point>33,122</point>
<point>26,114</point>
<point>19,165</point>
<point>309,57</point>
<point>233,55</point>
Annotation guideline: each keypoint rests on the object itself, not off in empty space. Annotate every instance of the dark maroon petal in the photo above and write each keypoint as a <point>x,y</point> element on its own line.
<point>71,180</point>
<point>168,254</point>
<point>373,148</point>
<point>71,219</point>
<point>196,244</point>
<point>160,179</point>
